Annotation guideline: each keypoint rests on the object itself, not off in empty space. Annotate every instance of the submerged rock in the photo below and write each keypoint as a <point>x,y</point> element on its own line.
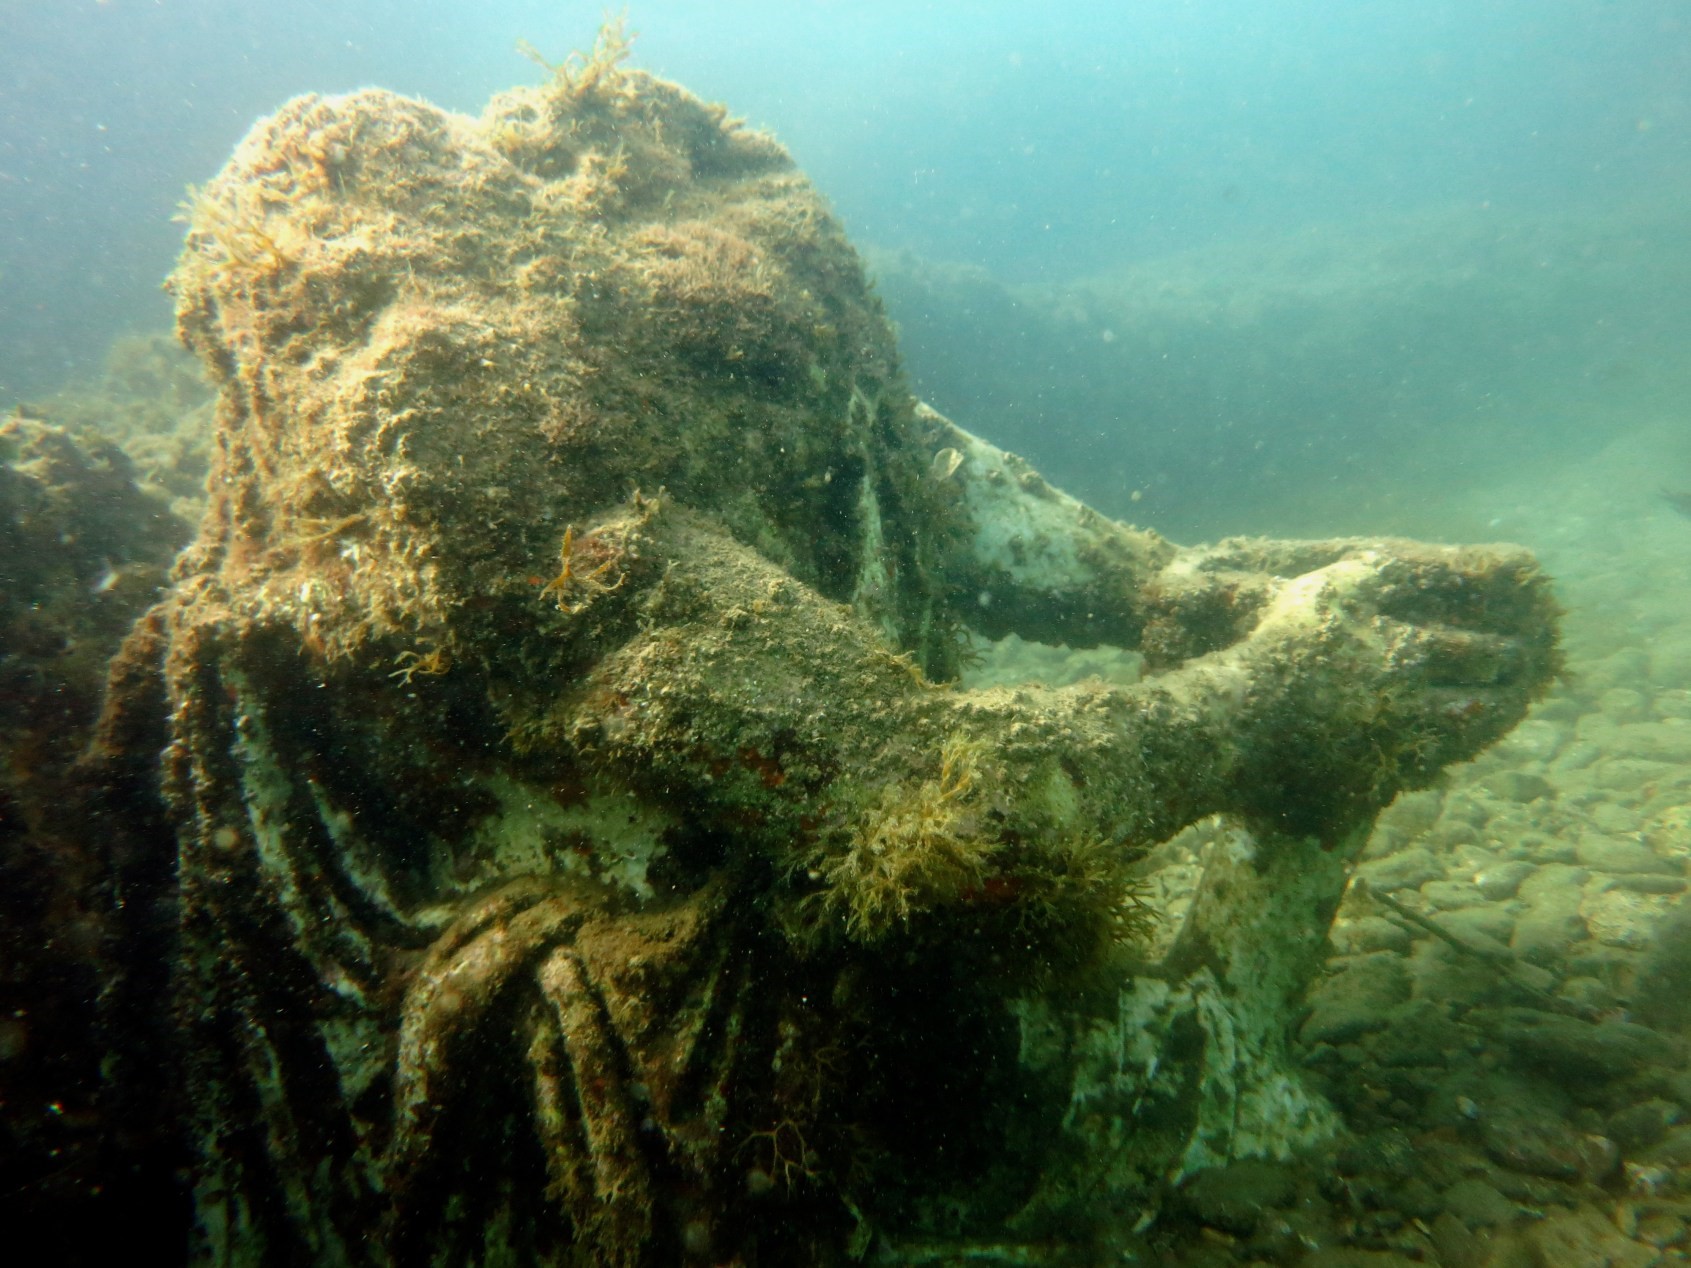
<point>1235,1198</point>
<point>83,550</point>
<point>1574,1049</point>
<point>1659,995</point>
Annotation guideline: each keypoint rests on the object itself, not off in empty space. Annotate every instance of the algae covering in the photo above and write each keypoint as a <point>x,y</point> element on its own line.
<point>83,551</point>
<point>585,851</point>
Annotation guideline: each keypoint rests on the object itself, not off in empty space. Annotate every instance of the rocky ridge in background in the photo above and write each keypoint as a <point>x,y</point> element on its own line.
<point>1198,392</point>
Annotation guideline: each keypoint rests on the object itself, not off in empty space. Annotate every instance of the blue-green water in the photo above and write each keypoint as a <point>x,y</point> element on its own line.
<point>1270,245</point>
<point>1291,269</point>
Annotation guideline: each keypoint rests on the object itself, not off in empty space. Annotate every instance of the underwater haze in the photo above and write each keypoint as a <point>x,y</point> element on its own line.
<point>1225,270</point>
<point>1224,252</point>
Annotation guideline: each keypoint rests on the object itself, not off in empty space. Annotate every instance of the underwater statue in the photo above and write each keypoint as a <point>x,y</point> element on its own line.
<point>586,853</point>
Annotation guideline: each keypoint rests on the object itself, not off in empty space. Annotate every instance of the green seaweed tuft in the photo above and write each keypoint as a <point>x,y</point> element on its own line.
<point>918,849</point>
